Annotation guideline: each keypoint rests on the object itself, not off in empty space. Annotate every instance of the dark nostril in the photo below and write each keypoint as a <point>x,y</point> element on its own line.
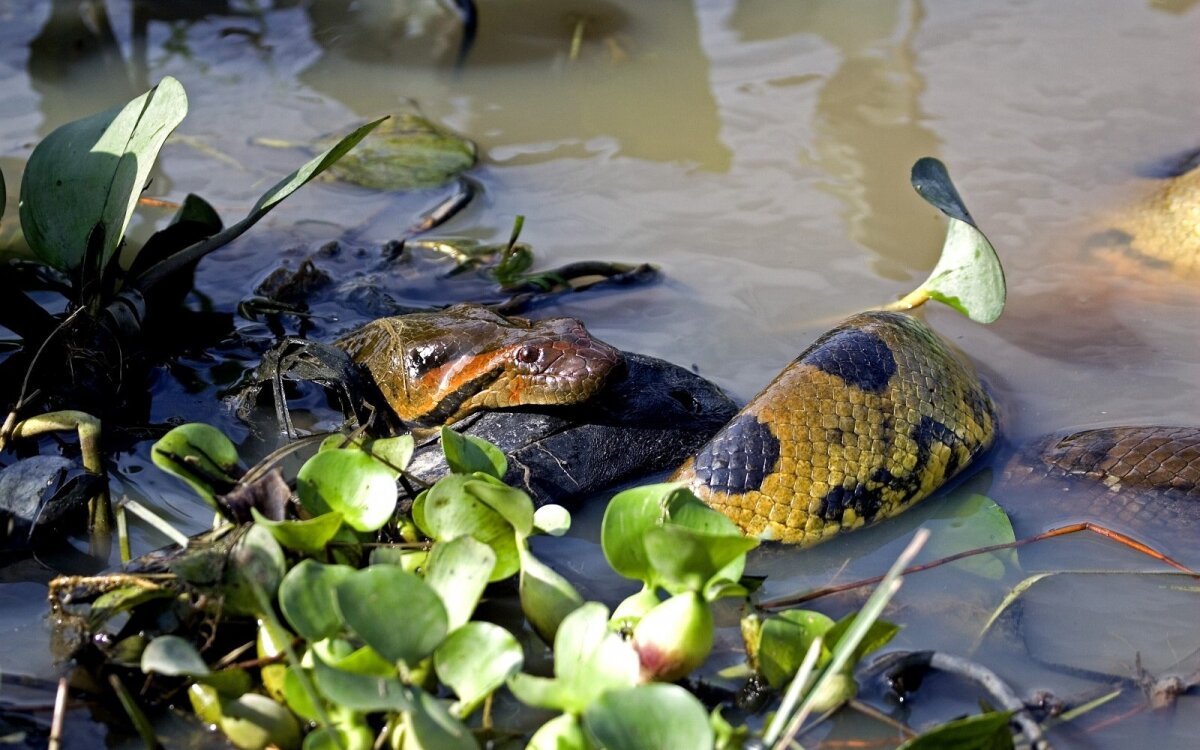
<point>528,354</point>
<point>685,399</point>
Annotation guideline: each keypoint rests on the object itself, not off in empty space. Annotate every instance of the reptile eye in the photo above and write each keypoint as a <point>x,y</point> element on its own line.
<point>528,354</point>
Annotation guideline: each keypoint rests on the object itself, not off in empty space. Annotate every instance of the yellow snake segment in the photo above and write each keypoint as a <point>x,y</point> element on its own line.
<point>874,416</point>
<point>1164,231</point>
<point>438,367</point>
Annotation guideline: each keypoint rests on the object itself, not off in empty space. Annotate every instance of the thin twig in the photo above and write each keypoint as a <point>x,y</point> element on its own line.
<point>60,713</point>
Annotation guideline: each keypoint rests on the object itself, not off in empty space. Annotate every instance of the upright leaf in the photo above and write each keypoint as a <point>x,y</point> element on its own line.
<point>86,177</point>
<point>968,276</point>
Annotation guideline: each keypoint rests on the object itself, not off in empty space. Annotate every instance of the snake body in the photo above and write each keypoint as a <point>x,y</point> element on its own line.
<point>874,416</point>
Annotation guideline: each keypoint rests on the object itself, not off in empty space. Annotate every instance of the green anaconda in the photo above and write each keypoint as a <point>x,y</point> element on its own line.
<point>438,367</point>
<point>875,415</point>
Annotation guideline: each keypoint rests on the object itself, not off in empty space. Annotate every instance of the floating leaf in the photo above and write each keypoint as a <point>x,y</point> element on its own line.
<point>467,454</point>
<point>458,570</point>
<point>546,597</point>
<point>968,276</point>
<point>370,601</point>
<point>627,519</point>
<point>878,635</point>
<point>476,659</point>
<point>974,521</point>
<point>308,600</point>
<point>83,180</point>
<point>173,656</point>
<point>983,732</point>
<point>200,455</point>
<point>648,717</point>
<point>308,536</point>
<point>407,153</point>
<point>349,482</point>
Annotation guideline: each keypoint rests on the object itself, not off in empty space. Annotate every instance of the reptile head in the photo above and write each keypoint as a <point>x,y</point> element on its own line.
<point>436,368</point>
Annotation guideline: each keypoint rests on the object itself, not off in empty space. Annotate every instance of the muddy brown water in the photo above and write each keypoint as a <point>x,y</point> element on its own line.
<point>758,152</point>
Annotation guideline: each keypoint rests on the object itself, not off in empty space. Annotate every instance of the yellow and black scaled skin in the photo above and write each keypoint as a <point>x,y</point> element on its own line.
<point>874,416</point>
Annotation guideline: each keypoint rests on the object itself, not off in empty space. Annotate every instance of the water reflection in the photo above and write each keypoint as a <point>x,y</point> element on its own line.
<point>869,125</point>
<point>600,79</point>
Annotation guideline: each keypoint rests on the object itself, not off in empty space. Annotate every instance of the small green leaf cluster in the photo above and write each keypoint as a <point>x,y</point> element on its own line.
<point>366,630</point>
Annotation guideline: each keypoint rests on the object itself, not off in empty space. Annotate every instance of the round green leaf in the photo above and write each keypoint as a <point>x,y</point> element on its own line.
<point>307,597</point>
<point>475,660</point>
<point>554,520</point>
<point>648,717</point>
<point>467,454</point>
<point>989,731</point>
<point>458,570</point>
<point>629,516</point>
<point>371,602</point>
<point>173,656</point>
<point>349,482</point>
<point>308,536</point>
<point>200,455</point>
<point>449,511</point>
<point>970,522</point>
<point>255,722</point>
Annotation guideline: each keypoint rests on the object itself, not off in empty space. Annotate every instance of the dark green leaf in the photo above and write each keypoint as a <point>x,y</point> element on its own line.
<point>984,732</point>
<point>476,659</point>
<point>256,562</point>
<point>370,601</point>
<point>350,482</point>
<point>123,599</point>
<point>87,175</point>
<point>200,455</point>
<point>434,728</point>
<point>173,656</point>
<point>359,692</point>
<point>648,717</point>
<point>308,600</point>
<point>467,454</point>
